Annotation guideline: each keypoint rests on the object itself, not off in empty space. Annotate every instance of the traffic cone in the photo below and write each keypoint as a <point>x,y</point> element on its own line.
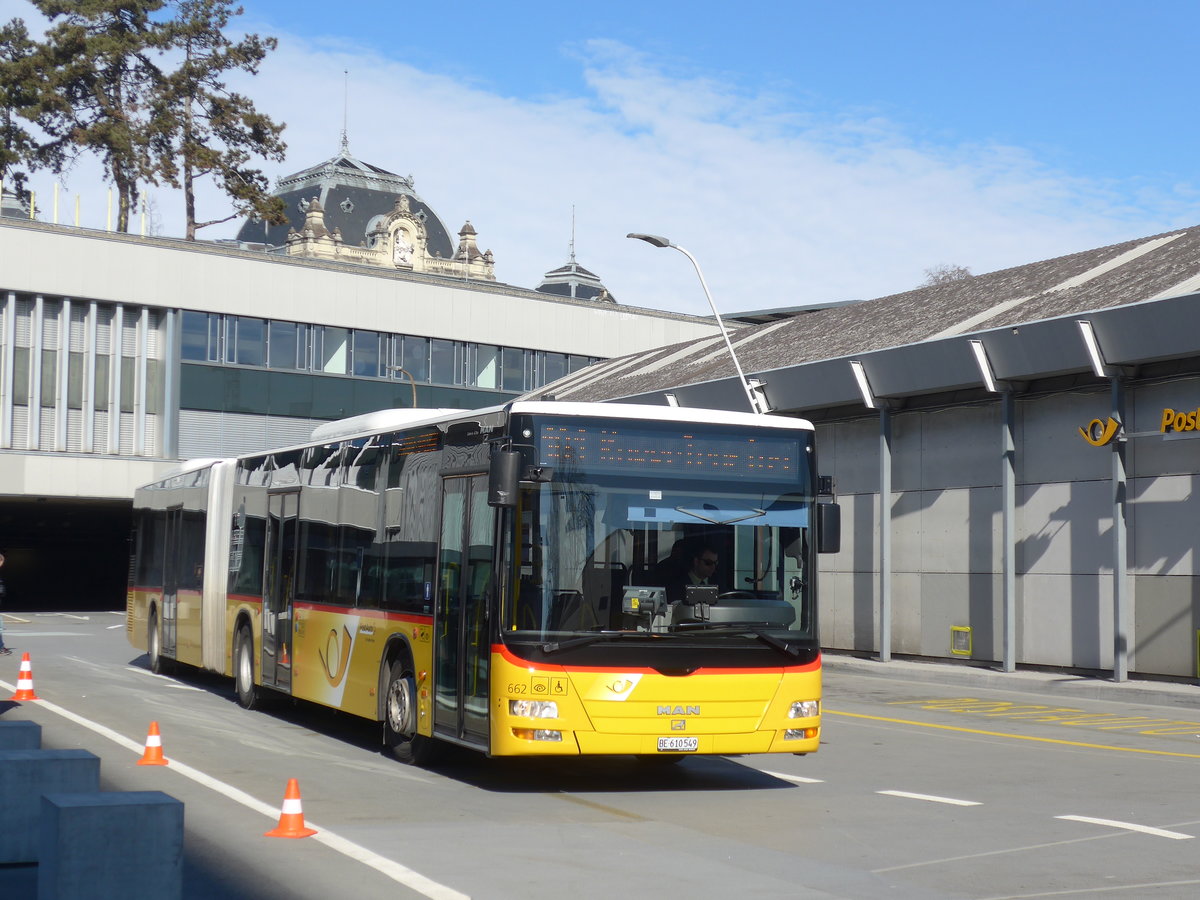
<point>153,755</point>
<point>283,659</point>
<point>25,681</point>
<point>291,817</point>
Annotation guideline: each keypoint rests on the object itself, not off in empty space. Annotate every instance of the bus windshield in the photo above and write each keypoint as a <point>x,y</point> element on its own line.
<point>648,531</point>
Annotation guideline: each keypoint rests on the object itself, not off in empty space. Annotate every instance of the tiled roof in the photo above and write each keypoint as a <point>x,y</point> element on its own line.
<point>1152,268</point>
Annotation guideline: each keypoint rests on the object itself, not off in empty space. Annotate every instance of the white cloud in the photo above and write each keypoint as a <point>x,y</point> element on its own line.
<point>781,206</point>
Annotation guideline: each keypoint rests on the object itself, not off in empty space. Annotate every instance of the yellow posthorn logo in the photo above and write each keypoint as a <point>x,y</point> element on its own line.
<point>1098,433</point>
<point>335,659</point>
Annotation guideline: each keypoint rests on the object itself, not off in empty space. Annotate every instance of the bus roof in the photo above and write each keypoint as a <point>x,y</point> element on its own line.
<point>657,413</point>
<point>393,419</point>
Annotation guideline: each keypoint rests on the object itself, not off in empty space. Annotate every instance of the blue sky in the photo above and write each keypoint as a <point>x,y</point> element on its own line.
<point>1098,86</point>
<point>804,151</point>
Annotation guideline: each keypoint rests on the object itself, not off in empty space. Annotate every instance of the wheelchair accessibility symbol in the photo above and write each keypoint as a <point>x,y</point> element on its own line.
<point>548,685</point>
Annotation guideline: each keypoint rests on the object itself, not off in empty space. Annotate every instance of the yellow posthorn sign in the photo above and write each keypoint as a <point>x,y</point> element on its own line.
<point>1173,420</point>
<point>1098,433</point>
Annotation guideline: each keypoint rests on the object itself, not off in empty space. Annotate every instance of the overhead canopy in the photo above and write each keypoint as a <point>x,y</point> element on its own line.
<point>1141,297</point>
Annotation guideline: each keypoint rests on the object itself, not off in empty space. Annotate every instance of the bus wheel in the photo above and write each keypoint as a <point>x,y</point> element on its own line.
<point>243,669</point>
<point>400,719</point>
<point>158,663</point>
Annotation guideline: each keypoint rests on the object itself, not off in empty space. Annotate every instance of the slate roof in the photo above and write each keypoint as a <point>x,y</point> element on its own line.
<point>573,280</point>
<point>1153,268</point>
<point>355,195</point>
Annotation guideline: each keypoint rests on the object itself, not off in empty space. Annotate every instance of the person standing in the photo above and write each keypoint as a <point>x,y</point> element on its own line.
<point>3,596</point>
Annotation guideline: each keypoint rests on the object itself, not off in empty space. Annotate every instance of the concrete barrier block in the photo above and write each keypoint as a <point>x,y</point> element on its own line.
<point>20,736</point>
<point>24,776</point>
<point>116,845</point>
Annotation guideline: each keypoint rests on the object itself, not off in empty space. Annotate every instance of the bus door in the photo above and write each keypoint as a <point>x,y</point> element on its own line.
<point>279,588</point>
<point>465,586</point>
<point>172,562</point>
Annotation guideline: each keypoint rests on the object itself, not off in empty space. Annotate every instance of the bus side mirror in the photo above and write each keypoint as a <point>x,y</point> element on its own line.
<point>829,528</point>
<point>504,478</point>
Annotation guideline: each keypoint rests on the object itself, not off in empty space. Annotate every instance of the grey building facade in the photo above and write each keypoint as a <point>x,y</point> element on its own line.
<point>1016,456</point>
<point>120,355</point>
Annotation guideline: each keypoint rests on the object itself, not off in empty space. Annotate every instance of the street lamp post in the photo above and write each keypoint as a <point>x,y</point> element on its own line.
<point>411,381</point>
<point>658,241</point>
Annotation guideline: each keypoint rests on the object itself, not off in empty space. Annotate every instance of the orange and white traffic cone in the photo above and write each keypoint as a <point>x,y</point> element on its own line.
<point>291,817</point>
<point>153,756</point>
<point>284,660</point>
<point>25,681</point>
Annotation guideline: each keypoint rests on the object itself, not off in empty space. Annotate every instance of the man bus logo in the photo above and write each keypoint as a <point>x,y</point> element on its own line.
<point>1099,433</point>
<point>679,710</point>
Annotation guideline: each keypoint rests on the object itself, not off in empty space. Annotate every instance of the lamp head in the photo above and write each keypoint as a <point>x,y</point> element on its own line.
<point>654,239</point>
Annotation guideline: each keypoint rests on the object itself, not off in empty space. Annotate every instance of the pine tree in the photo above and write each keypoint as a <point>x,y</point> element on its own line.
<point>202,128</point>
<point>18,97</point>
<point>100,73</point>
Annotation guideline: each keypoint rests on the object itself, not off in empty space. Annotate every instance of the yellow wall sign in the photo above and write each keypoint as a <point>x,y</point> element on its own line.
<point>1098,432</point>
<point>1176,420</point>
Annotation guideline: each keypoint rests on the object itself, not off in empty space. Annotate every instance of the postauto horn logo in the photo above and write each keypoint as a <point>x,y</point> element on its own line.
<point>1098,433</point>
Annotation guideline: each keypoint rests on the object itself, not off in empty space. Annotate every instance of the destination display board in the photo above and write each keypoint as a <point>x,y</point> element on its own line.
<point>634,448</point>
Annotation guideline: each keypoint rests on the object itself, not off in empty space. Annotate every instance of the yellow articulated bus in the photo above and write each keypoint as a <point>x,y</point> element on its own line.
<point>535,579</point>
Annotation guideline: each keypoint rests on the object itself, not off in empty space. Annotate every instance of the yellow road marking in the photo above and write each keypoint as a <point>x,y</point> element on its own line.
<point>1056,715</point>
<point>1015,737</point>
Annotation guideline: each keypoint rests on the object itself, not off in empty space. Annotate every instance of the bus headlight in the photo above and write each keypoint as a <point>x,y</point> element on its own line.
<point>805,709</point>
<point>537,734</point>
<point>533,709</point>
<point>797,734</point>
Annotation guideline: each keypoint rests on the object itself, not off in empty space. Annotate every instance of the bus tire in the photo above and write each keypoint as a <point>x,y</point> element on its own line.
<point>243,669</point>
<point>400,735</point>
<point>159,664</point>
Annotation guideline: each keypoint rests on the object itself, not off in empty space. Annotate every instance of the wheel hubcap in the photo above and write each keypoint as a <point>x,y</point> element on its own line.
<point>244,677</point>
<point>400,707</point>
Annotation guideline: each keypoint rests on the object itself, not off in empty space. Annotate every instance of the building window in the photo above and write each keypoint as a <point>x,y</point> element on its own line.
<point>416,357</point>
<point>485,370</point>
<point>512,369</point>
<point>200,331</point>
<point>246,341</point>
<point>49,377</point>
<point>287,345</point>
<point>366,353</point>
<point>441,362</point>
<point>554,367</point>
<point>332,349</point>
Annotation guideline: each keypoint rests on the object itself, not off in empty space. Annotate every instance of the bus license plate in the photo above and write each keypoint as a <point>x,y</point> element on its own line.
<point>677,744</point>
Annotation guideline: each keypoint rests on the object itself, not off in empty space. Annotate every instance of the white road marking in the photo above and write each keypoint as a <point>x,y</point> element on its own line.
<point>113,627</point>
<point>424,886</point>
<point>25,634</point>
<point>1091,891</point>
<point>171,682</point>
<point>70,616</point>
<point>931,798</point>
<point>796,779</point>
<point>1130,826</point>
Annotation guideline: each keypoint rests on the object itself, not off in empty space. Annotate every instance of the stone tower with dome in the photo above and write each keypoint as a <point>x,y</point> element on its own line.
<point>347,210</point>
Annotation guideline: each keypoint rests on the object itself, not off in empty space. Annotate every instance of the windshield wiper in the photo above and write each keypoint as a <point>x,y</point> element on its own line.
<point>753,514</point>
<point>754,628</point>
<point>584,639</point>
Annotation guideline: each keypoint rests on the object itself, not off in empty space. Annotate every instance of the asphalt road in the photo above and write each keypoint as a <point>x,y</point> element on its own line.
<point>933,781</point>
